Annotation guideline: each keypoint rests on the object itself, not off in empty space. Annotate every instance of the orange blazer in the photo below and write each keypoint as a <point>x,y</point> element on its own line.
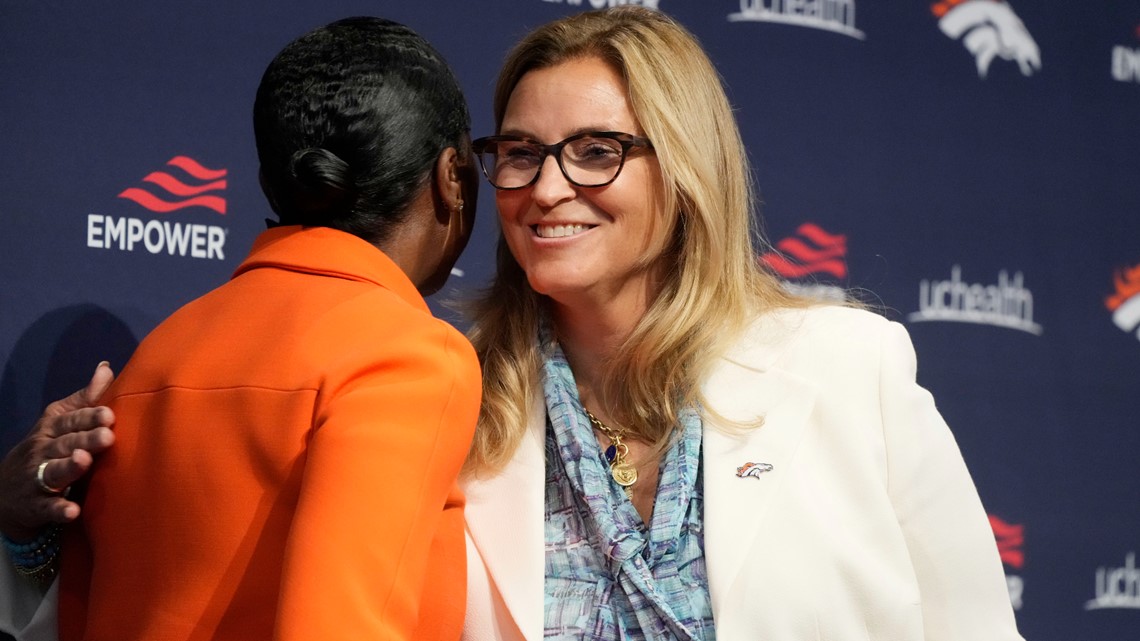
<point>286,461</point>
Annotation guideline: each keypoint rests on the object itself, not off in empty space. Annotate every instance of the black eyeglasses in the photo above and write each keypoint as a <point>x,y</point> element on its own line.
<point>590,159</point>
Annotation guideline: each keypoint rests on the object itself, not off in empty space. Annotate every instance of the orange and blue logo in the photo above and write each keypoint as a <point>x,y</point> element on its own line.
<point>989,29</point>
<point>753,470</point>
<point>1124,303</point>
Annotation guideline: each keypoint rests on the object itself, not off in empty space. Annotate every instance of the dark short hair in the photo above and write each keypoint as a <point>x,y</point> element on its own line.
<point>349,120</point>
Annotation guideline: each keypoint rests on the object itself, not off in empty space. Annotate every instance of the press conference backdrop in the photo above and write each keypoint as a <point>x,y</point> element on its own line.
<point>971,167</point>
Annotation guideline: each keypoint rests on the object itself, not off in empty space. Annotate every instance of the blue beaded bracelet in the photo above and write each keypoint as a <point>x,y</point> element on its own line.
<point>33,555</point>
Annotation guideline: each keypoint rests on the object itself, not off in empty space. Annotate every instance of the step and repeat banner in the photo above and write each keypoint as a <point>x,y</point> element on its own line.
<point>969,168</point>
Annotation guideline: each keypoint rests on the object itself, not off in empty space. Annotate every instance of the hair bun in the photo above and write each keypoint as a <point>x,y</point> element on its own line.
<point>324,180</point>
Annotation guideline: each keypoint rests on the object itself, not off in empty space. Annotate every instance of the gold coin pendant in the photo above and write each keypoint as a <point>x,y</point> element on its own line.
<point>624,473</point>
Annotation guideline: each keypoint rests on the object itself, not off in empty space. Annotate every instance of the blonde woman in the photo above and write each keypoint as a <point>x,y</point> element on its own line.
<point>670,446</point>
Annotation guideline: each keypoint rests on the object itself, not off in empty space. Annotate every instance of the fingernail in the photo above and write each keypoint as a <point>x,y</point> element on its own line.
<point>103,364</point>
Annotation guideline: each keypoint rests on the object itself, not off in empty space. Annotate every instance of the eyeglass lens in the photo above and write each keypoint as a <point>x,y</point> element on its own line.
<point>588,161</point>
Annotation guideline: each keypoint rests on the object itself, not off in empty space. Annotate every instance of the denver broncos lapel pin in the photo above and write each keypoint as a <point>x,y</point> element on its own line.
<point>753,469</point>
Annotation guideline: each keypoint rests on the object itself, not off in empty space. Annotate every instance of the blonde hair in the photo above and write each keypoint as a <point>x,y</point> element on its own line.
<point>714,284</point>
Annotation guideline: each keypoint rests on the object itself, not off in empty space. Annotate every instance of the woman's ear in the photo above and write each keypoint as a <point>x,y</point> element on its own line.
<point>449,193</point>
<point>456,188</point>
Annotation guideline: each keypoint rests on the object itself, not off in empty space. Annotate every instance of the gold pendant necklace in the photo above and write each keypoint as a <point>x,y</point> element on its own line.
<point>622,471</point>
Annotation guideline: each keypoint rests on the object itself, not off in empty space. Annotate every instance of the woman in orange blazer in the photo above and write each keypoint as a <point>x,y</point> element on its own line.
<point>287,446</point>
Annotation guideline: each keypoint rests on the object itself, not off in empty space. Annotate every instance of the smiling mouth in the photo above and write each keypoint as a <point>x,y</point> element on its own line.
<point>559,231</point>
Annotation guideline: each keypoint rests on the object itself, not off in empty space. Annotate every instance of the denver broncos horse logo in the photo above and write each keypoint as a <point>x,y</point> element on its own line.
<point>989,29</point>
<point>753,469</point>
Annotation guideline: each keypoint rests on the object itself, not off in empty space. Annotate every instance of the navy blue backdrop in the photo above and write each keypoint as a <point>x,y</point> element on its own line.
<point>971,167</point>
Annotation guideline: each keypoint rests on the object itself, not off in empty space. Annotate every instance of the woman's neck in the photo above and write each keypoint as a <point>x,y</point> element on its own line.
<point>590,336</point>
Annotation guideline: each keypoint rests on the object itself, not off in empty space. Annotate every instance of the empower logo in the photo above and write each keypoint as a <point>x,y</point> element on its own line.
<point>989,29</point>
<point>192,186</point>
<point>1010,539</point>
<point>195,189</point>
<point>1124,303</point>
<point>811,252</point>
<point>837,16</point>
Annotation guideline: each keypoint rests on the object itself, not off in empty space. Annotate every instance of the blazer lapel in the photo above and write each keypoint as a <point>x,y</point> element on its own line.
<point>743,389</point>
<point>504,517</point>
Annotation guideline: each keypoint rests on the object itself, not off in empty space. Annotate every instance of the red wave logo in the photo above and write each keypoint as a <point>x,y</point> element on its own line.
<point>811,251</point>
<point>1010,538</point>
<point>179,193</point>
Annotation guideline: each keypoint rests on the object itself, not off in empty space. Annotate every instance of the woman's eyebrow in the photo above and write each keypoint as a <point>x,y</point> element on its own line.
<point>585,129</point>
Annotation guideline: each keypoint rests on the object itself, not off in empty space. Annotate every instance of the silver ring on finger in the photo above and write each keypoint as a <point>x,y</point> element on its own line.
<point>42,483</point>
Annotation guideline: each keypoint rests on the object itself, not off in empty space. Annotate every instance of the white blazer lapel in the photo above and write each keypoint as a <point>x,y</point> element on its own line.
<point>745,389</point>
<point>504,517</point>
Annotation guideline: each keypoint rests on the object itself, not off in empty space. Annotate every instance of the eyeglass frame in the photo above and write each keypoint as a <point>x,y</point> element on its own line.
<point>626,140</point>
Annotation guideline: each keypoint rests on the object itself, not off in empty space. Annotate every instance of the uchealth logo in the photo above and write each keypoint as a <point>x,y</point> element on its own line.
<point>1010,540</point>
<point>1124,303</point>
<point>813,252</point>
<point>1008,303</point>
<point>602,4</point>
<point>989,29</point>
<point>1117,587</point>
<point>183,184</point>
<point>1126,61</point>
<point>837,16</point>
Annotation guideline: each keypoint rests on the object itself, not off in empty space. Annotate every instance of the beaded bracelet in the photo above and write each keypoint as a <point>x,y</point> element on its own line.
<point>36,560</point>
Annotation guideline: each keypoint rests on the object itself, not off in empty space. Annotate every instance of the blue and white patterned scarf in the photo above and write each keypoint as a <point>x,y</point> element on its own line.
<point>608,576</point>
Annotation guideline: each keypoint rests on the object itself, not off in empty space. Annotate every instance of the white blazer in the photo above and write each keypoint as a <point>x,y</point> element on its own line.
<point>868,526</point>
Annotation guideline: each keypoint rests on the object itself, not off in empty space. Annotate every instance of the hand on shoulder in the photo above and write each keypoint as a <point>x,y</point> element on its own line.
<point>64,441</point>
